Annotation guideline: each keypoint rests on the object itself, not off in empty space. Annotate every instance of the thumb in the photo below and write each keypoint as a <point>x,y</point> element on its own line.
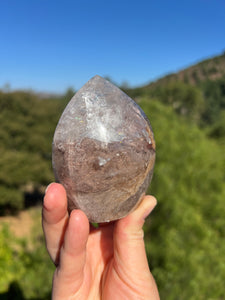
<point>129,236</point>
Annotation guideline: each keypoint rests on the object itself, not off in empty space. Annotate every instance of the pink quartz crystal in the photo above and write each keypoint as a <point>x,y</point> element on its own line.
<point>103,151</point>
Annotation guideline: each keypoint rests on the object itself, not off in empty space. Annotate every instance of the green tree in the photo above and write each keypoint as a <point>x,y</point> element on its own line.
<point>185,234</point>
<point>185,99</point>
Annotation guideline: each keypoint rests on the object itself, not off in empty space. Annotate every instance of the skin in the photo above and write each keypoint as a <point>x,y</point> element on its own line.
<point>105,263</point>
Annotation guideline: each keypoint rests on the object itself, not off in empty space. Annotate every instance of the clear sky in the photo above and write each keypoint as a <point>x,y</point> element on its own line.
<point>50,45</point>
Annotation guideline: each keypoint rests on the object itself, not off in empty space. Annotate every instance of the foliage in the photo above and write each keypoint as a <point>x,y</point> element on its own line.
<point>185,99</point>
<point>197,92</point>
<point>27,127</point>
<point>185,239</point>
<point>207,70</point>
<point>25,269</point>
<point>214,95</point>
<point>217,131</point>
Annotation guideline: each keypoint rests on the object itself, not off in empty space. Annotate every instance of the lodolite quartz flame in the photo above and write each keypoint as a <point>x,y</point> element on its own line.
<point>103,151</point>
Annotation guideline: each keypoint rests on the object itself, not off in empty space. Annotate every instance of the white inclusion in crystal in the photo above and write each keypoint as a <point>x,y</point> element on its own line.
<point>102,122</point>
<point>102,131</point>
<point>147,137</point>
<point>102,161</point>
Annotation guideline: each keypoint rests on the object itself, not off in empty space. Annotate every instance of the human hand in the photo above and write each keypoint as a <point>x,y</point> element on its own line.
<point>105,263</point>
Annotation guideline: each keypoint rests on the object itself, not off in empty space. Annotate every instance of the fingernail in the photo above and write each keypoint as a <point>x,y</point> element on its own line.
<point>47,188</point>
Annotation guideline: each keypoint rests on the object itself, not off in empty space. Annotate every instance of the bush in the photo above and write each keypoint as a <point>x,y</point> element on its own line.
<point>185,234</point>
<point>25,268</point>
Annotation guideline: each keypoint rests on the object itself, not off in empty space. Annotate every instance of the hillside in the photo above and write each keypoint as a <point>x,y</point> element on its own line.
<point>208,69</point>
<point>185,234</point>
<point>197,93</point>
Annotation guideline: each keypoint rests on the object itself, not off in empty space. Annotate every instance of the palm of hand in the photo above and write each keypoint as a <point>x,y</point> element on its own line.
<point>104,272</point>
<point>105,263</point>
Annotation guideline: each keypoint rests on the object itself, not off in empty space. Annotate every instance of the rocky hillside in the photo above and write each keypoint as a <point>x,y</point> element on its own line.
<point>197,93</point>
<point>209,69</point>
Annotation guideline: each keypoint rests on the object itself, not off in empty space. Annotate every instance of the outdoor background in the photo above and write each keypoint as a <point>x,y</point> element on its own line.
<point>169,56</point>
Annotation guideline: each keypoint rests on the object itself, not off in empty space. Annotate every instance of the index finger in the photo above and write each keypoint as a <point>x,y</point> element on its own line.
<point>54,218</point>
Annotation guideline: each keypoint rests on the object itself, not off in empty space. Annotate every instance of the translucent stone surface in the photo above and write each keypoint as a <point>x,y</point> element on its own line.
<point>103,151</point>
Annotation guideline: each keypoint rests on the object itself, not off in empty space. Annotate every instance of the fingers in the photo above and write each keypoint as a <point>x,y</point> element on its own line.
<point>128,235</point>
<point>54,218</point>
<point>70,272</point>
<point>66,239</point>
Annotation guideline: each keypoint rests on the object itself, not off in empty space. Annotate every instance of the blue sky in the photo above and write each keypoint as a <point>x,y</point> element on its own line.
<point>48,45</point>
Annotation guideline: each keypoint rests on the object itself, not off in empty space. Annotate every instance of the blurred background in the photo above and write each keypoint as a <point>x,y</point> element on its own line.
<point>169,56</point>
